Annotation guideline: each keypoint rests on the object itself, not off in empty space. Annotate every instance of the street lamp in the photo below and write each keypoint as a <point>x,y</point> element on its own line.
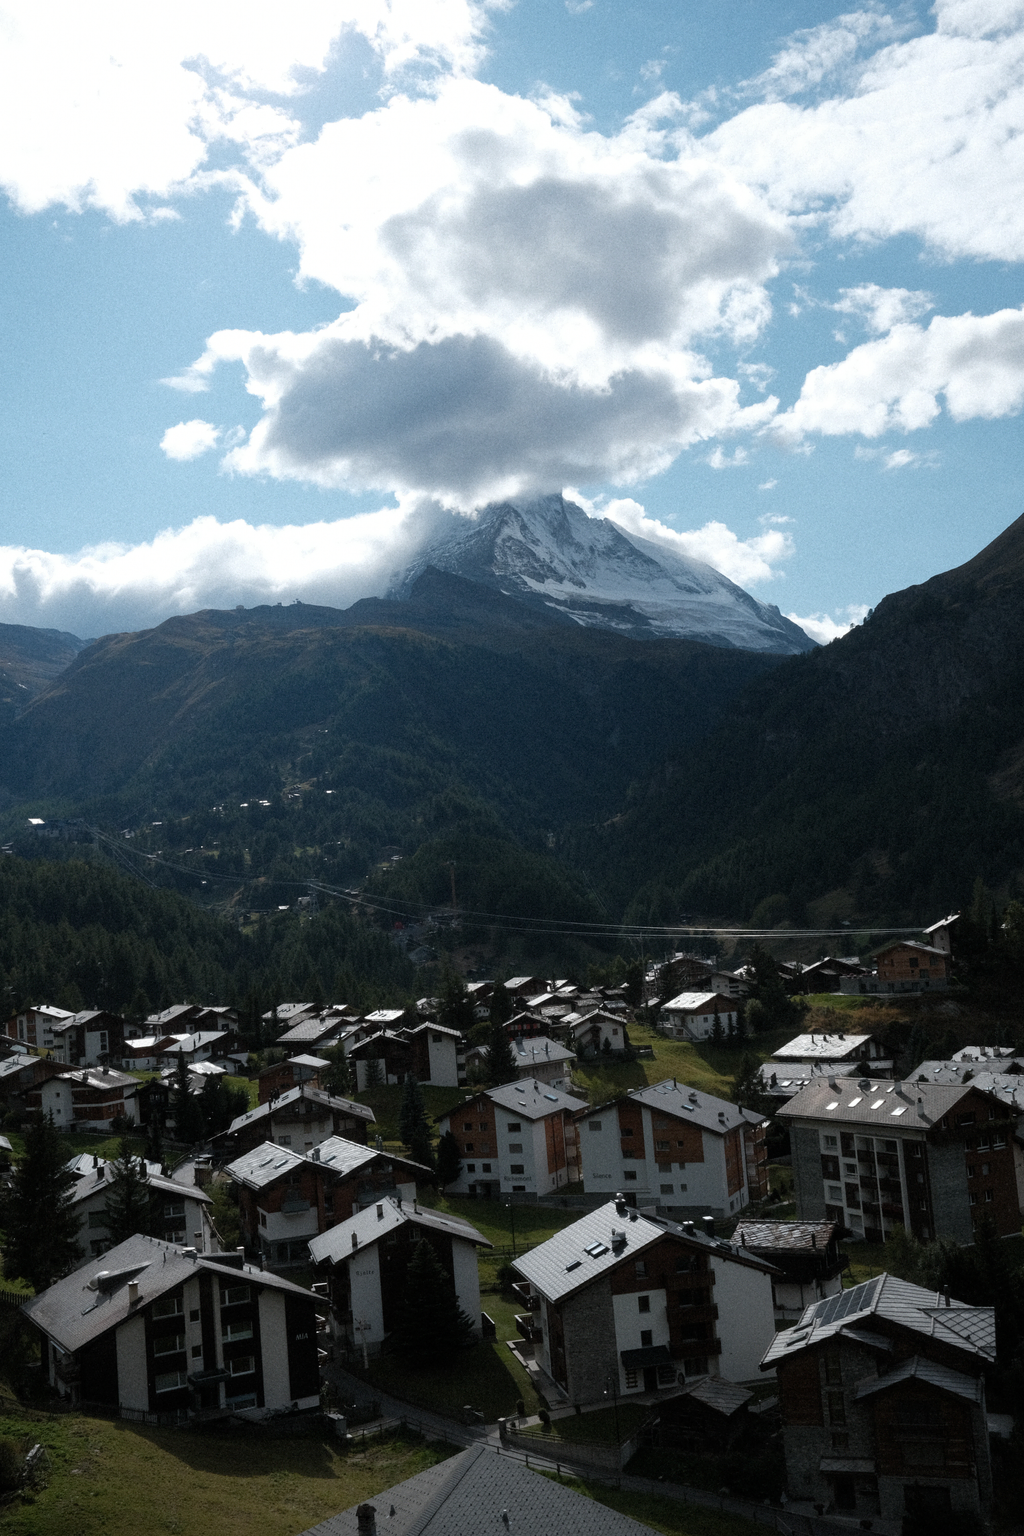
<point>611,1389</point>
<point>510,1207</point>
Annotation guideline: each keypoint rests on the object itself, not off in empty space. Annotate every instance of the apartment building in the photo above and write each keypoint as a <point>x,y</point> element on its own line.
<point>685,1151</point>
<point>930,1157</point>
<point>517,1139</point>
<point>623,1303</point>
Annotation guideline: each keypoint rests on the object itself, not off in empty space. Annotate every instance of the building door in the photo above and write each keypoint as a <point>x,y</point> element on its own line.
<point>844,1491</point>
<point>650,1378</point>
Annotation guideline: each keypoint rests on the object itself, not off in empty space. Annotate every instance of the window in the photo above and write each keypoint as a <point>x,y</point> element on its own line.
<point>482,1124</point>
<point>666,1375</point>
<point>467,1125</point>
<point>97,1218</point>
<point>626,1130</point>
<point>972,1197</point>
<point>512,1168</point>
<point>193,1316</point>
<point>646,1338</point>
<point>173,1208</point>
<point>471,1167</point>
<point>284,1141</point>
<point>263,1218</point>
<point>629,1175</point>
<point>167,1306</point>
<point>242,1330</point>
<point>833,1369</point>
<point>595,1125</point>
<point>986,1168</point>
<point>830,1141</point>
<point>643,1303</point>
<point>632,1381</point>
<point>836,1408</point>
<point>835,1193</point>
<point>470,1146</point>
<point>242,1365</point>
<point>662,1146</point>
<point>640,1268</point>
<point>514,1125</point>
<point>666,1189</point>
<point>988,1197</point>
<point>168,1343</point>
<point>231,1295</point>
<point>170,1381</point>
<point>850,1168</point>
<point>515,1146</point>
<point>840,1441</point>
<point>486,1168</point>
<point>971,1170</point>
<point>519,1189</point>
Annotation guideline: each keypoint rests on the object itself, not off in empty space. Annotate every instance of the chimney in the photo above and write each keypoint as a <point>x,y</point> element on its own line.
<point>380,1213</point>
<point>133,1292</point>
<point>355,1241</point>
<point>814,1239</point>
<point>709,1225</point>
<point>620,1205</point>
<point>95,1161</point>
<point>366,1520</point>
<point>945,1292</point>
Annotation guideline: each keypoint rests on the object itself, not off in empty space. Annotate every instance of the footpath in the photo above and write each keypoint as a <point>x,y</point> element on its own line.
<point>791,1521</point>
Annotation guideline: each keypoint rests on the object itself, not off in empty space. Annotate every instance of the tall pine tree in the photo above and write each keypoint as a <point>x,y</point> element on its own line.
<point>129,1197</point>
<point>431,1324</point>
<point>188,1116</point>
<point>40,1225</point>
<point>500,1065</point>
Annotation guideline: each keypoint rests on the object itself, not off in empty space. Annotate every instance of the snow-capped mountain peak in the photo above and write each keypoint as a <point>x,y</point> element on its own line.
<point>547,550</point>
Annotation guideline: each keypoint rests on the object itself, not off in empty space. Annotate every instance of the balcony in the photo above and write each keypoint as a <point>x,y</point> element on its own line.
<point>66,1369</point>
<point>527,1328</point>
<point>521,1290</point>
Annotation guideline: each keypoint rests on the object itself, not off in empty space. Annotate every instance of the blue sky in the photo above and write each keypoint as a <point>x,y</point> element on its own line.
<point>745,276</point>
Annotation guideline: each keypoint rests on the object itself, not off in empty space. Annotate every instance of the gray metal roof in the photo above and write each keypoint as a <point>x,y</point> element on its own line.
<point>917,1369</point>
<point>539,1049</point>
<point>971,1329</point>
<point>384,1216</point>
<point>685,1103</point>
<point>268,1162</point>
<point>531,1099</point>
<point>721,1395</point>
<point>697,1002</point>
<point>603,1239</point>
<point>93,1181</point>
<point>471,1493</point>
<point>308,1061</point>
<point>18,1063</point>
<point>898,1106</point>
<point>74,1314</point>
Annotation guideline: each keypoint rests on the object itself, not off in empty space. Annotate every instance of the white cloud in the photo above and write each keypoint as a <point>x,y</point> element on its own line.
<point>577,7</point>
<point>748,562</point>
<point>824,628</point>
<point>881,308</point>
<point>102,104</point>
<point>719,459</point>
<point>923,137</point>
<point>974,362</point>
<point>189,439</point>
<point>768,485</point>
<point>899,458</point>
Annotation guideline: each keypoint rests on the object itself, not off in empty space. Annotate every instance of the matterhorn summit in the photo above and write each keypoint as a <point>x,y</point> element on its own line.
<point>546,550</point>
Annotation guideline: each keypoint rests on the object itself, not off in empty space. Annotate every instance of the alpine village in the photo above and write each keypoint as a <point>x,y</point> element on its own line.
<point>598,1108</point>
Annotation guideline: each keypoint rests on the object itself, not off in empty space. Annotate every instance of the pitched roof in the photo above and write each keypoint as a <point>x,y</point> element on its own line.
<point>918,1369</point>
<point>538,1048</point>
<point>786,1236</point>
<point>470,1492</point>
<point>900,1105</point>
<point>18,1063</point>
<point>603,1239</point>
<point>694,1002</point>
<point>74,1312</point>
<point>673,1098</point>
<point>971,1329</point>
<point>723,1396</point>
<point>195,1042</point>
<point>93,1180</point>
<point>531,1099</point>
<point>269,1162</point>
<point>292,1096</point>
<point>377,1220</point>
<point>100,1077</point>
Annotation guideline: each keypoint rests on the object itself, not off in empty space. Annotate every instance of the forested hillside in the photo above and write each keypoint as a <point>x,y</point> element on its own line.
<point>81,935</point>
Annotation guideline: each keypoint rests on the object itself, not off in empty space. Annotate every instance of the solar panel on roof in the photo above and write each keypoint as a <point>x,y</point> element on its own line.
<point>858,1299</point>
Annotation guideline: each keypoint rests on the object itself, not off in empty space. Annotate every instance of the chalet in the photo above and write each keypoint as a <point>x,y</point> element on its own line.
<point>316,1030</point>
<point>783,1080</point>
<point>806,1256</point>
<point>33,1027</point>
<point>931,1158</point>
<point>526,1023</point>
<point>88,1100</point>
<point>599,1033</point>
<point>144,1053</point>
<point>687,1151</point>
<point>693,1015</point>
<point>284,1075</point>
<point>204,1045</point>
<point>882,1393</point>
<point>545,1061</point>
<point>524,986</point>
<point>192,1018</point>
<point>517,1139</point>
<point>431,1053</point>
<point>300,1118</point>
<point>904,966</point>
<point>92,1038</point>
<point>21,1073</point>
<point>160,1330</point>
<point>473,1491</point>
<point>644,1303</point>
<point>826,975</point>
<point>286,1197</point>
<point>366,1259</point>
<point>182,1212</point>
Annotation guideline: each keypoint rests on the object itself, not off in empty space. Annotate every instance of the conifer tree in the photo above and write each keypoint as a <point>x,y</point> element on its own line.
<point>412,1114</point>
<point>337,1078</point>
<point>748,1088</point>
<point>374,1072</point>
<point>431,1325</point>
<point>501,1058</point>
<point>455,1010</point>
<point>129,1197</point>
<point>501,1004</point>
<point>154,1148</point>
<point>449,1160</point>
<point>40,1225</point>
<point>188,1117</point>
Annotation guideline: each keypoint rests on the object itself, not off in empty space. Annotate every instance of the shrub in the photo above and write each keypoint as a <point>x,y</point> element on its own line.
<point>12,1465</point>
